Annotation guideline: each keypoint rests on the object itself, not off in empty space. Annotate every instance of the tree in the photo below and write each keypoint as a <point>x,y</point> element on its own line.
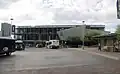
<point>94,32</point>
<point>91,33</point>
<point>89,36</point>
<point>73,38</point>
<point>74,41</point>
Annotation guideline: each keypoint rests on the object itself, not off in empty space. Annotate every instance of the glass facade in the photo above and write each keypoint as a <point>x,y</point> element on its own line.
<point>37,33</point>
<point>44,32</point>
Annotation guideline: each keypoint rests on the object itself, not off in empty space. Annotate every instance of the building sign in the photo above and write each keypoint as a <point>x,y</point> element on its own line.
<point>13,28</point>
<point>118,9</point>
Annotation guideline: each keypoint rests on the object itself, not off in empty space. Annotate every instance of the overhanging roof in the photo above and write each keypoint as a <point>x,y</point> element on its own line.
<point>114,35</point>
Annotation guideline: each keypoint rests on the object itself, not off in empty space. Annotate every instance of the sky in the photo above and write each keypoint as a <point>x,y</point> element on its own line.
<point>45,12</point>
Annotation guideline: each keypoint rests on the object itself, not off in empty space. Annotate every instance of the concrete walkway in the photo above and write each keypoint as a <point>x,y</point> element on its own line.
<point>94,51</point>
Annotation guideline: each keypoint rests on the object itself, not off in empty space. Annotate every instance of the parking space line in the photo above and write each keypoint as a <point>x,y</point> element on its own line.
<point>47,67</point>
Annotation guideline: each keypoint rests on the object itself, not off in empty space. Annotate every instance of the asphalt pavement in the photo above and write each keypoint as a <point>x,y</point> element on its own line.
<point>57,61</point>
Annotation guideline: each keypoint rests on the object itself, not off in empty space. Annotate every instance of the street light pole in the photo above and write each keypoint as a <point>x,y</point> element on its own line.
<point>62,37</point>
<point>11,25</point>
<point>84,27</point>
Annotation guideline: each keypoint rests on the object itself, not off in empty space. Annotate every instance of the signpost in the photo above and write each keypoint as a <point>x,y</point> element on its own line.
<point>84,27</point>
<point>118,9</point>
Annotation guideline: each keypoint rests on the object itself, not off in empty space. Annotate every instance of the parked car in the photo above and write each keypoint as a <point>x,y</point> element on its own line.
<point>7,45</point>
<point>19,45</point>
<point>52,44</point>
<point>39,45</point>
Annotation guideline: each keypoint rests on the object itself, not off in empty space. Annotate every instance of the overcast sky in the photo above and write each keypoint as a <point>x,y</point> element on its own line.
<point>37,12</point>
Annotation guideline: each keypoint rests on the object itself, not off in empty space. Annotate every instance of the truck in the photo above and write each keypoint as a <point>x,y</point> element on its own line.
<point>7,45</point>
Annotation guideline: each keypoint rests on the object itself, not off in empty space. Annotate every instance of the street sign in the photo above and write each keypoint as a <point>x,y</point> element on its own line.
<point>118,9</point>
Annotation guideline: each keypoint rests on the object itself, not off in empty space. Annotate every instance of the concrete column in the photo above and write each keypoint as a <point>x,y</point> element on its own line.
<point>102,42</point>
<point>39,37</point>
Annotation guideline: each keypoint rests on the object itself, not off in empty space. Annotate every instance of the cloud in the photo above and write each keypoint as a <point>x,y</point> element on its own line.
<point>37,12</point>
<point>6,3</point>
<point>97,11</point>
<point>67,10</point>
<point>111,27</point>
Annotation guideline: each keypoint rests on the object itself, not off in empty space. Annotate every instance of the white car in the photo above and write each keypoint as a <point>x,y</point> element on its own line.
<point>51,44</point>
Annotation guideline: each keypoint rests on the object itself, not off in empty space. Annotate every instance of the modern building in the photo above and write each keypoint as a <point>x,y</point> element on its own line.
<point>6,29</point>
<point>46,32</point>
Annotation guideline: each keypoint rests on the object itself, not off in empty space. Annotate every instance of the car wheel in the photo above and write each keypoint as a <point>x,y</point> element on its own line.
<point>8,53</point>
<point>51,47</point>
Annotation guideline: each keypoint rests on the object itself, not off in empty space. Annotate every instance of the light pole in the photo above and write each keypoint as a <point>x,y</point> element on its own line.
<point>11,19</point>
<point>63,37</point>
<point>84,27</point>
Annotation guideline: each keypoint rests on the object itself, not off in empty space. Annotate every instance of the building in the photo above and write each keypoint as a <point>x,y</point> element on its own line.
<point>6,29</point>
<point>0,34</point>
<point>46,32</point>
<point>79,31</point>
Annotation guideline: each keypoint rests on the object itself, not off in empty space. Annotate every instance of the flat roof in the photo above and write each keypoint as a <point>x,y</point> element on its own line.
<point>106,35</point>
<point>51,26</point>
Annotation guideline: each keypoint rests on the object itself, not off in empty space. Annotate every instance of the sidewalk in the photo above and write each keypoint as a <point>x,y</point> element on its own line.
<point>94,51</point>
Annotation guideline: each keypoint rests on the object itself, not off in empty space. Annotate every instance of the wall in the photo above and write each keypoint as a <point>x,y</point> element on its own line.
<point>0,34</point>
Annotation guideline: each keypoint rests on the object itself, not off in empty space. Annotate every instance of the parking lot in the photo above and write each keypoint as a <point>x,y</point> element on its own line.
<point>42,60</point>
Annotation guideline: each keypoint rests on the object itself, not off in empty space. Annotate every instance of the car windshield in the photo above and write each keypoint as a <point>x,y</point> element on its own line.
<point>60,36</point>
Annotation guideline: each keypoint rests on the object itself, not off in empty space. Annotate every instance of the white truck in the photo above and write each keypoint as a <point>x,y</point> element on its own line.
<point>52,44</point>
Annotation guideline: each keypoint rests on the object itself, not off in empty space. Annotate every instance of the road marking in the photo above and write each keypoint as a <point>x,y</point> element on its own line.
<point>37,68</point>
<point>100,54</point>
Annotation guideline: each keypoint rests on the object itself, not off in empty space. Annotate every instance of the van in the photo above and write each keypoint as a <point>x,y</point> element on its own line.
<point>52,44</point>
